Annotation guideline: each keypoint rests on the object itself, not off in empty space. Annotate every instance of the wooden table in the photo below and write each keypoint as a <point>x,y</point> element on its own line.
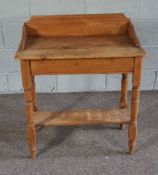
<point>80,44</point>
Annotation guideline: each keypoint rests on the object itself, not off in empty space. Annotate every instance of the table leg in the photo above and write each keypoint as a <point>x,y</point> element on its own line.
<point>124,91</point>
<point>132,134</point>
<point>28,95</point>
<point>34,93</point>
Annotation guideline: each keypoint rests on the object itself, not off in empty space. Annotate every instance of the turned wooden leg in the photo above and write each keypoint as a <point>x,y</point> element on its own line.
<point>34,93</point>
<point>124,91</point>
<point>133,123</point>
<point>134,104</point>
<point>27,85</point>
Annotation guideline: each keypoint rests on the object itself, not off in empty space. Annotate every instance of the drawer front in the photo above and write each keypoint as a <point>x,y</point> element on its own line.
<point>82,66</point>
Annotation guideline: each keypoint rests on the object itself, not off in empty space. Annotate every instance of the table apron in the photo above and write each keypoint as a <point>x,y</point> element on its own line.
<point>82,66</point>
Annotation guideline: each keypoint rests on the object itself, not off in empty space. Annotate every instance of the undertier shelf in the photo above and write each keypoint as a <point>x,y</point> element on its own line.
<point>80,117</point>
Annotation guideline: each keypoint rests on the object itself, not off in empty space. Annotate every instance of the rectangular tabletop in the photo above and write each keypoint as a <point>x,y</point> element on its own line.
<point>79,36</point>
<point>71,47</point>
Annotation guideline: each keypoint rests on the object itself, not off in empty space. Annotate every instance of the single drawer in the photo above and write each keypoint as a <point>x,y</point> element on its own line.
<point>82,66</point>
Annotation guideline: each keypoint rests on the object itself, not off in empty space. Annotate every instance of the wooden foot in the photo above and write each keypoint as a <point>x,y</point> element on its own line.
<point>33,155</point>
<point>32,140</point>
<point>132,134</point>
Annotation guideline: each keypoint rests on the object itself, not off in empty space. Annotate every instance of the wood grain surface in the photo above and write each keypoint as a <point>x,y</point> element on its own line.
<point>72,47</point>
<point>81,44</point>
<point>87,117</point>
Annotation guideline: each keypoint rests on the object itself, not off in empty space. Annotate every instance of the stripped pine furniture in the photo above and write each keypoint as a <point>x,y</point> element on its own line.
<point>81,44</point>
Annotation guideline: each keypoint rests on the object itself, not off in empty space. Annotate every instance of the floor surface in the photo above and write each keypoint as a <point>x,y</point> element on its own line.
<point>86,150</point>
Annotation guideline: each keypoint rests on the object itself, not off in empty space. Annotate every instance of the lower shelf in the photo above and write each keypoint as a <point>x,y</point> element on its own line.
<point>87,117</point>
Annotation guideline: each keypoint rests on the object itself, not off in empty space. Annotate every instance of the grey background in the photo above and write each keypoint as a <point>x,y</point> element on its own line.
<point>13,13</point>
